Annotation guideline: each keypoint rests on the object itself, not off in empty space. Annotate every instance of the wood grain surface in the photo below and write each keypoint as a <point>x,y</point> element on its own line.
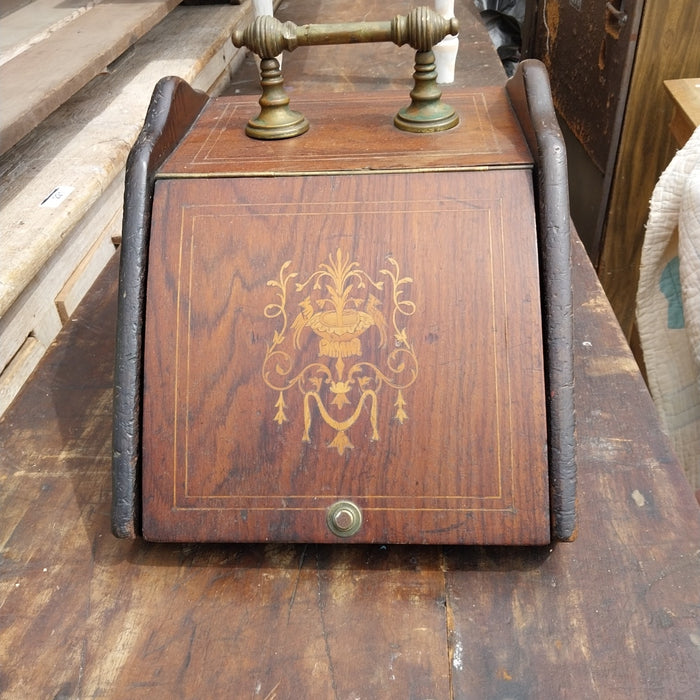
<point>49,72</point>
<point>611,615</point>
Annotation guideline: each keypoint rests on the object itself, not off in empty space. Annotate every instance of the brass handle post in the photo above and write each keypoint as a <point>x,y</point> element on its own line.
<point>421,29</point>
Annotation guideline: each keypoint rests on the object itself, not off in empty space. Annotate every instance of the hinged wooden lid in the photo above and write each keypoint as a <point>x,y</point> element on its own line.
<point>351,132</point>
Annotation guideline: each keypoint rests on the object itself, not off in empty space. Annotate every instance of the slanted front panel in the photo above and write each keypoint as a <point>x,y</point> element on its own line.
<point>371,338</point>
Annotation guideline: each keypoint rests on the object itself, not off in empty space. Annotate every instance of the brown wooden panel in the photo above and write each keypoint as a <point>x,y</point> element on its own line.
<point>77,51</point>
<point>351,132</point>
<point>371,337</point>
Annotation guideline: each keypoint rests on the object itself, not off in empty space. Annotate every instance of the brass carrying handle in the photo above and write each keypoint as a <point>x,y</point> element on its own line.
<point>421,29</point>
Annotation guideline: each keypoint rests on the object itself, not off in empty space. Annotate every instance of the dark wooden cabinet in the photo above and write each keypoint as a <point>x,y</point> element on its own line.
<point>588,47</point>
<point>607,63</point>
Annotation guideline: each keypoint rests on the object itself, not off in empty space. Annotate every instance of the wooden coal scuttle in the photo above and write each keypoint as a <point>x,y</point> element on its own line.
<point>339,326</point>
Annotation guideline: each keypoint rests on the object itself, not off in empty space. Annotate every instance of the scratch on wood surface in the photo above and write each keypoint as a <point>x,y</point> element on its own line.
<point>610,365</point>
<point>23,473</point>
<point>457,651</point>
<point>81,668</point>
<point>638,498</point>
<point>123,628</point>
<point>188,655</point>
<point>598,303</point>
<point>604,448</point>
<point>682,563</point>
<point>324,629</point>
<point>272,695</point>
<point>504,675</point>
<point>455,648</point>
<point>296,582</point>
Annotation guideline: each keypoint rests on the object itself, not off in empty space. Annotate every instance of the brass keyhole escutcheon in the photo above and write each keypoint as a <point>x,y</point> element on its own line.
<point>344,518</point>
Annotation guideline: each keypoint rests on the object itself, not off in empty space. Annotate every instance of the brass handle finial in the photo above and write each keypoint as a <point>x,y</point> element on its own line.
<point>421,29</point>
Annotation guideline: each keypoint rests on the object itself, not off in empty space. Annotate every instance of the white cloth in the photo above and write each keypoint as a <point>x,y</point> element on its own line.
<point>668,303</point>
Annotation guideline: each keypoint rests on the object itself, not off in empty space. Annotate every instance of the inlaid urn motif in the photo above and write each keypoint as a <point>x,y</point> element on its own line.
<point>359,324</point>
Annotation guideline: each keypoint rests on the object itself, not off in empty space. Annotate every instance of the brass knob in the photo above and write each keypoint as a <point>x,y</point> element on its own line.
<point>344,518</point>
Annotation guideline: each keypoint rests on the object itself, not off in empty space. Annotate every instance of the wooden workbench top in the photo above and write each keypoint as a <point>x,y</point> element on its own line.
<point>614,614</point>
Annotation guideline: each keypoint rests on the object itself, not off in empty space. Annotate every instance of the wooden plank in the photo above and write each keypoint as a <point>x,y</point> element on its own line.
<point>84,145</point>
<point>646,145</point>
<point>685,93</point>
<point>47,74</point>
<point>32,21</point>
<point>83,148</point>
<point>35,312</point>
<point>88,270</point>
<point>16,372</point>
<point>320,648</point>
<point>10,6</point>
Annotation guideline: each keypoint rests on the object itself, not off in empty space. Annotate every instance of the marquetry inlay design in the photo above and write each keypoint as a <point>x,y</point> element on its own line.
<point>358,322</point>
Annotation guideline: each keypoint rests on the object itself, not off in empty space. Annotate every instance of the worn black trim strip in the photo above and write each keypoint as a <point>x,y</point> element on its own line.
<point>530,96</point>
<point>173,109</point>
